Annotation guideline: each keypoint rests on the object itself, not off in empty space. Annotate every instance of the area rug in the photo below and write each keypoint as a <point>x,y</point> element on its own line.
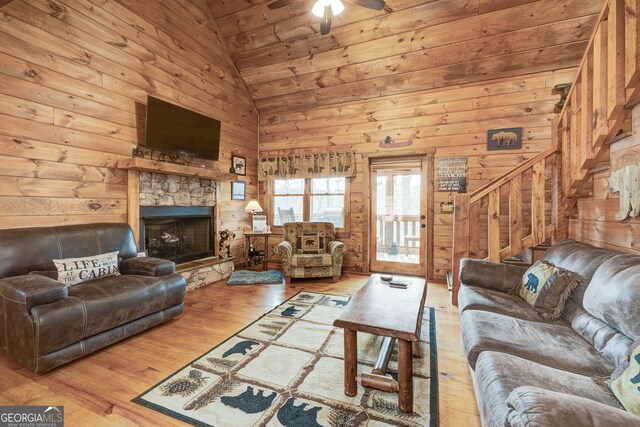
<point>245,277</point>
<point>286,369</point>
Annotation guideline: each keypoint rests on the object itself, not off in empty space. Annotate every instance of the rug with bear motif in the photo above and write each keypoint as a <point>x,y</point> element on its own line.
<point>286,369</point>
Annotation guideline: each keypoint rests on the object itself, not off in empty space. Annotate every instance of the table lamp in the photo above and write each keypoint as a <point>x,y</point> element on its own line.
<point>253,206</point>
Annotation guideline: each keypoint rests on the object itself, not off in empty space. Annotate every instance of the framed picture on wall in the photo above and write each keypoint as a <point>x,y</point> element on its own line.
<point>239,165</point>
<point>238,190</point>
<point>504,139</point>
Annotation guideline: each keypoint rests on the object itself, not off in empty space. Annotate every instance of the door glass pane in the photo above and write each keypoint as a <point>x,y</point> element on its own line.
<point>328,209</point>
<point>397,216</point>
<point>287,209</point>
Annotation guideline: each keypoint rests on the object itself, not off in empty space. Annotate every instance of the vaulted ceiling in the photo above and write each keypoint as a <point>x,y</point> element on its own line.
<point>409,46</point>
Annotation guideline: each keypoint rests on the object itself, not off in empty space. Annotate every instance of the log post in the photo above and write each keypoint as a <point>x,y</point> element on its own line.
<point>350,362</point>
<point>460,241</point>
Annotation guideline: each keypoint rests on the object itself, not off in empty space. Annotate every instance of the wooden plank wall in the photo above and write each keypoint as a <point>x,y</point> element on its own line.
<point>596,222</point>
<point>450,122</point>
<point>74,77</point>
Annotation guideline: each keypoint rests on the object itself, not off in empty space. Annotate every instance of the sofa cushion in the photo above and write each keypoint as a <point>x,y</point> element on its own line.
<point>610,343</point>
<point>103,304</point>
<point>476,298</point>
<point>536,407</point>
<point>312,260</point>
<point>581,258</point>
<point>498,374</point>
<point>614,294</point>
<point>555,345</point>
<point>546,288</point>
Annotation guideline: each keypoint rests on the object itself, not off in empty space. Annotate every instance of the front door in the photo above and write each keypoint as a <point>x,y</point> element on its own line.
<point>398,216</point>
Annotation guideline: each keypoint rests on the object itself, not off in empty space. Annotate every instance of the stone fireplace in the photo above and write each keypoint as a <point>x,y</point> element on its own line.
<point>177,233</point>
<point>177,222</point>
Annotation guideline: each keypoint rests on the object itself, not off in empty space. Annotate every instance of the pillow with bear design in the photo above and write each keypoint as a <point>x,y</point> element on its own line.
<point>72,271</point>
<point>546,287</point>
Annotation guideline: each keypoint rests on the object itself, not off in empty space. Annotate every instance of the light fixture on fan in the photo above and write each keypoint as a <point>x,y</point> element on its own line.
<point>325,9</point>
<point>320,7</point>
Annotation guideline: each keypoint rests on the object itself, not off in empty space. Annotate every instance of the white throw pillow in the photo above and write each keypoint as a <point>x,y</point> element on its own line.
<point>72,271</point>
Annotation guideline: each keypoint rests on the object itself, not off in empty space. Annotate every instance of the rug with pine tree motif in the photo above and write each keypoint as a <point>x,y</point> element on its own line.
<point>286,369</point>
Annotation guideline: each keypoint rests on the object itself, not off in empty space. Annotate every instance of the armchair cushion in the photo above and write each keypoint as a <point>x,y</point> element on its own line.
<point>32,290</point>
<point>536,407</point>
<point>145,266</point>
<point>312,260</point>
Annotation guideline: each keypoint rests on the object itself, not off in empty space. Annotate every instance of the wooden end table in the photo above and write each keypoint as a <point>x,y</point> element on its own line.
<point>265,261</point>
<point>395,314</point>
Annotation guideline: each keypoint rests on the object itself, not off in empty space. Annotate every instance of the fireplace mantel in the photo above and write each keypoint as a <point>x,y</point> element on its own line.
<point>148,165</point>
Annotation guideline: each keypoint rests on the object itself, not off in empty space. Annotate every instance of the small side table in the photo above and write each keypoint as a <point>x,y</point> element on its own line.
<point>265,236</point>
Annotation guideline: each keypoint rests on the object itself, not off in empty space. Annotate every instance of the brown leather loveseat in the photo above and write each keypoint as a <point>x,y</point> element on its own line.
<point>45,323</point>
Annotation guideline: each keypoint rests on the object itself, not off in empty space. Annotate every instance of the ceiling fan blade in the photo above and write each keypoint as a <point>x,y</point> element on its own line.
<point>278,4</point>
<point>369,4</point>
<point>325,25</point>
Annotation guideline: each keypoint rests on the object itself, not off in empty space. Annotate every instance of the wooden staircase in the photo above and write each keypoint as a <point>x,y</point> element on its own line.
<point>530,204</point>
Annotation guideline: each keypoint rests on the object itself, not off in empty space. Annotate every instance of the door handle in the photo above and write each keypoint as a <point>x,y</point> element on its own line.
<point>422,225</point>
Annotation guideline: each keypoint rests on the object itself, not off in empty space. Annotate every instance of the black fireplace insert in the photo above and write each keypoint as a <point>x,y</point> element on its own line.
<point>177,233</point>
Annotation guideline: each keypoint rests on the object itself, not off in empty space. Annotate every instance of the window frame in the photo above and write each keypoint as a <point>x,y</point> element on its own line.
<point>306,204</point>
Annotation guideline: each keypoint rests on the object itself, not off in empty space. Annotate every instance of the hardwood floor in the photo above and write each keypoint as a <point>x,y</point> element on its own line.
<point>97,389</point>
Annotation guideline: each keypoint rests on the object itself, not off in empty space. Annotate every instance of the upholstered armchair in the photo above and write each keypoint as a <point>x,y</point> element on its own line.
<point>309,249</point>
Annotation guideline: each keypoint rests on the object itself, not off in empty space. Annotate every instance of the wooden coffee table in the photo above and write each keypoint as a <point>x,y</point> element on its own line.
<point>390,312</point>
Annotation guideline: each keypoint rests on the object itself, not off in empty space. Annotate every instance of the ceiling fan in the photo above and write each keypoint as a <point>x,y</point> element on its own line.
<point>325,9</point>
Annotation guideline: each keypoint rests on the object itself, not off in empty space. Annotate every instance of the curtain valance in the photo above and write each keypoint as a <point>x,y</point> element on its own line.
<point>316,165</point>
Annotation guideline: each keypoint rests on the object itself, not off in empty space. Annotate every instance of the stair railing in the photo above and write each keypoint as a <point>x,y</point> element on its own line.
<point>546,188</point>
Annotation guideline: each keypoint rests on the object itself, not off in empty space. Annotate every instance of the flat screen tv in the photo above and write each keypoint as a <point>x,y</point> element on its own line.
<point>178,130</point>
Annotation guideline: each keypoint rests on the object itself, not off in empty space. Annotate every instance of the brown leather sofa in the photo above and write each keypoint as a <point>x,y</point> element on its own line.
<point>45,324</point>
<point>531,372</point>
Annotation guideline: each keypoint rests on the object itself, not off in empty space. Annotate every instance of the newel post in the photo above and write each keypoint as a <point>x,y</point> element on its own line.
<point>460,240</point>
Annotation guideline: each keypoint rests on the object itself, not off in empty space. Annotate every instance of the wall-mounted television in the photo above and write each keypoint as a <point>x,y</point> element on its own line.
<point>178,130</point>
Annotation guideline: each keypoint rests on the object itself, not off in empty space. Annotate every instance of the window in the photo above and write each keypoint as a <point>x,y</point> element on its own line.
<point>312,199</point>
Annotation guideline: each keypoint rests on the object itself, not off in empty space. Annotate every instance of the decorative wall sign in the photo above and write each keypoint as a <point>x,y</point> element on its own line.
<point>239,165</point>
<point>626,181</point>
<point>238,190</point>
<point>504,139</point>
<point>450,170</point>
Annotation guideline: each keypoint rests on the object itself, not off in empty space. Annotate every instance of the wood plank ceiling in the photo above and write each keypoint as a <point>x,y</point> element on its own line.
<point>411,45</point>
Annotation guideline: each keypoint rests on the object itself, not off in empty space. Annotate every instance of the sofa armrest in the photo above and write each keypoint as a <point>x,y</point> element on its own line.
<point>490,275</point>
<point>536,407</point>
<point>32,290</point>
<point>146,266</point>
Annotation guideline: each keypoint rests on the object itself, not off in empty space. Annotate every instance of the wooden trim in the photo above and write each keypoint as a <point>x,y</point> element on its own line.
<point>133,203</point>
<point>399,153</point>
<point>154,166</point>
<point>428,185</point>
<point>616,59</point>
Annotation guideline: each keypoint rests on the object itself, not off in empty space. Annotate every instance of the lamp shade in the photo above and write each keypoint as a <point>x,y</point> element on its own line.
<point>253,206</point>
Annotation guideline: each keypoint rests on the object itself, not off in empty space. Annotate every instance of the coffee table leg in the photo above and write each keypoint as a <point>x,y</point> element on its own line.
<point>350,362</point>
<point>405,376</point>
